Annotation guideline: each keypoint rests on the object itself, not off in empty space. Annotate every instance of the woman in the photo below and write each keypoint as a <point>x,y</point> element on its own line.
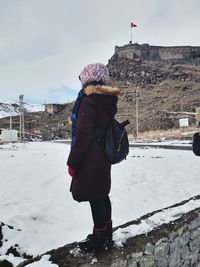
<point>87,163</point>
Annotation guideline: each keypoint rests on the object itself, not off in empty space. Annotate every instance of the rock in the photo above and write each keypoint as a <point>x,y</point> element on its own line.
<point>195,233</point>
<point>149,249</point>
<point>194,224</point>
<point>147,261</point>
<point>163,262</point>
<point>5,263</point>
<point>161,250</point>
<point>175,258</point>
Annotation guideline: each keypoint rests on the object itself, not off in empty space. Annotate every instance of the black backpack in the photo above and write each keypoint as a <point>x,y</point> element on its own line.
<point>116,141</point>
<point>115,144</point>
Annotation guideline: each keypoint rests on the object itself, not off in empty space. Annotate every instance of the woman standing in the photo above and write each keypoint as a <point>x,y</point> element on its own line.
<point>87,163</point>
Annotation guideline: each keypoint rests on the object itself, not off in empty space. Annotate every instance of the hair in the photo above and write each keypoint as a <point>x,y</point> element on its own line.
<point>94,83</point>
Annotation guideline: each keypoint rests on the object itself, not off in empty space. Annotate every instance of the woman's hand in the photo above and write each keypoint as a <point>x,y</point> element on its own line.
<point>71,172</point>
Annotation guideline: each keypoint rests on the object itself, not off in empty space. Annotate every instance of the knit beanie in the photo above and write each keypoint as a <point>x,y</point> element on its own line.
<point>94,73</point>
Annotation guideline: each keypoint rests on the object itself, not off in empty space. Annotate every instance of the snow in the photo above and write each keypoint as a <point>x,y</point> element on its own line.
<point>7,109</point>
<point>163,143</point>
<point>36,201</point>
<point>43,262</point>
<point>34,108</point>
<point>14,260</point>
<point>165,216</point>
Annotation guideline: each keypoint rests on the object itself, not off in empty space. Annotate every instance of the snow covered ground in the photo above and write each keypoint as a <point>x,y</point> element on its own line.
<point>7,109</point>
<point>35,197</point>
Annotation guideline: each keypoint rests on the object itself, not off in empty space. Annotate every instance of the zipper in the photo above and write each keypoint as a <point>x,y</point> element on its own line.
<point>119,147</point>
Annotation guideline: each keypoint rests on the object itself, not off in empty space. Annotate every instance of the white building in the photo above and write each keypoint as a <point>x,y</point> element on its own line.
<point>9,135</point>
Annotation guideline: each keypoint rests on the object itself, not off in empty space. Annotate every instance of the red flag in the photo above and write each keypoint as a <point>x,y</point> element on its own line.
<point>133,25</point>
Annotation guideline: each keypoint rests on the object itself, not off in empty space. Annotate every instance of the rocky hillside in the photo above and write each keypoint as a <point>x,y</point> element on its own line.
<point>39,123</point>
<point>166,92</point>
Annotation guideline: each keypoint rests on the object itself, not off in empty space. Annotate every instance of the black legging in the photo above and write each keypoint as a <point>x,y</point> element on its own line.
<point>101,211</point>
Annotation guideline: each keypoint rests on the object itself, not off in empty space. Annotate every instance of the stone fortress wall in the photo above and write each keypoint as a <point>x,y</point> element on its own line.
<point>170,54</point>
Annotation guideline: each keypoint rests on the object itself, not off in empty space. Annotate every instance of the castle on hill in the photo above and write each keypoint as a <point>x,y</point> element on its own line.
<point>165,54</point>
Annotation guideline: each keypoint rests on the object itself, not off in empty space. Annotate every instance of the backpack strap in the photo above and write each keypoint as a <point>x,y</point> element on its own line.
<point>124,123</point>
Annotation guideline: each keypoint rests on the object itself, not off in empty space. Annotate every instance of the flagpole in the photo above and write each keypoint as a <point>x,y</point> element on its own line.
<point>133,24</point>
<point>131,35</point>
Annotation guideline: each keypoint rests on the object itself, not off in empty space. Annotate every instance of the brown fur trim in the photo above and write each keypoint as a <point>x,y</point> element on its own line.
<point>102,90</point>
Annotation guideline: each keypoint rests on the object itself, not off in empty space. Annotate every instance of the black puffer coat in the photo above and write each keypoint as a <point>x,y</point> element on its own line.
<point>87,157</point>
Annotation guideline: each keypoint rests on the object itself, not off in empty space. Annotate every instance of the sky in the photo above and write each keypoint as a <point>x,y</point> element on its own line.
<point>44,44</point>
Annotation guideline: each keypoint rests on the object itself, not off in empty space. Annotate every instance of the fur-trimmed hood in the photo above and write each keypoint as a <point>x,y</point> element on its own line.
<point>102,90</point>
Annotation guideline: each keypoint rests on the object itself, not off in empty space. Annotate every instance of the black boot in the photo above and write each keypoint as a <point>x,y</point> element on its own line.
<point>95,241</point>
<point>109,235</point>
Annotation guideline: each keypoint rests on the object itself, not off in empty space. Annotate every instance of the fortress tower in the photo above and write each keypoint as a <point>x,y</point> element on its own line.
<point>168,54</point>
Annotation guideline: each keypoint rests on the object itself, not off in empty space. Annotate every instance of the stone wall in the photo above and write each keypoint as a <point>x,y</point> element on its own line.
<point>171,244</point>
<point>170,54</point>
<point>179,247</point>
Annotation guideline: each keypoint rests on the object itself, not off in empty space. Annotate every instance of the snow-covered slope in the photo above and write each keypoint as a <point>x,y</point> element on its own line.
<point>6,109</point>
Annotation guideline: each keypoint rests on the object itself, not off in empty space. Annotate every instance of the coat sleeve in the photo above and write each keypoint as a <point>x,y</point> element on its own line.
<point>196,144</point>
<point>85,133</point>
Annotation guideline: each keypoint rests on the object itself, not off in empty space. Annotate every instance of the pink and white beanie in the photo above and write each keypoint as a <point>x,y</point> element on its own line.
<point>97,72</point>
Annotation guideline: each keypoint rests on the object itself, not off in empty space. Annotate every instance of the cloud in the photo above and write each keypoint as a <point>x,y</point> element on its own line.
<point>58,95</point>
<point>44,44</point>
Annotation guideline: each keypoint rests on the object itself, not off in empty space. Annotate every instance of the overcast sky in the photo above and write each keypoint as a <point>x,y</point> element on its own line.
<point>44,44</point>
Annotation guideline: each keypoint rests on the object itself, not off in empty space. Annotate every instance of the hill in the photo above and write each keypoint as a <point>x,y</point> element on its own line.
<point>166,92</point>
<point>39,121</point>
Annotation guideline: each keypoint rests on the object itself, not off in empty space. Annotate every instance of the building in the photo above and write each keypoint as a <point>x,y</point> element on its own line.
<point>9,136</point>
<point>54,108</point>
<point>167,54</point>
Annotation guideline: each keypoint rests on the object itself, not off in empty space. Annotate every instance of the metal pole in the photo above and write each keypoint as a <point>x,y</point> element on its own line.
<point>135,107</point>
<point>137,120</point>
<point>20,125</point>
<point>10,121</point>
<point>10,127</point>
<point>22,107</point>
<point>21,117</point>
<point>23,133</point>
